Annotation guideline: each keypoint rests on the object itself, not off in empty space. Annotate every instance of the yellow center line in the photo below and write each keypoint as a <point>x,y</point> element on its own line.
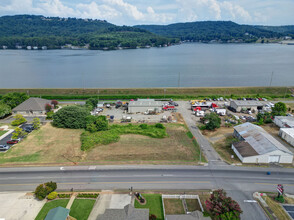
<point>82,183</point>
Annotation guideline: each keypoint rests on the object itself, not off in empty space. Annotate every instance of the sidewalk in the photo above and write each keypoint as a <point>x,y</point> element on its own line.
<point>72,198</point>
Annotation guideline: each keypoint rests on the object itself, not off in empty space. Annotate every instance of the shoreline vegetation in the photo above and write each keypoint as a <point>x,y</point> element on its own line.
<point>156,93</point>
<point>32,32</point>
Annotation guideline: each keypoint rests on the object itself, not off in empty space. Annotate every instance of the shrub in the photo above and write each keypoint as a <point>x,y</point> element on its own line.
<point>19,119</point>
<point>91,103</point>
<point>280,199</point>
<point>96,123</point>
<point>280,108</point>
<point>54,103</point>
<point>18,133</point>
<point>36,123</point>
<point>4,110</point>
<point>51,185</point>
<point>52,195</point>
<point>63,195</point>
<point>143,126</point>
<point>71,117</point>
<point>212,120</point>
<point>159,125</point>
<point>50,115</point>
<point>48,107</point>
<point>152,217</point>
<point>88,195</point>
<point>41,192</point>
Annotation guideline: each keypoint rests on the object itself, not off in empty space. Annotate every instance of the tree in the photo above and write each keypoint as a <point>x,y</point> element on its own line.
<point>19,119</point>
<point>44,189</point>
<point>54,103</point>
<point>92,103</point>
<point>14,99</point>
<point>18,133</point>
<point>221,206</point>
<point>36,123</point>
<point>212,121</point>
<point>71,117</point>
<point>96,123</point>
<point>4,110</point>
<point>48,107</point>
<point>280,108</point>
<point>50,115</point>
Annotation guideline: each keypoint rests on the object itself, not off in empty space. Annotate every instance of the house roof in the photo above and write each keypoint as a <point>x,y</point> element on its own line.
<point>247,103</point>
<point>289,131</point>
<point>32,104</point>
<point>128,213</point>
<point>58,213</point>
<point>245,149</point>
<point>288,121</point>
<point>261,141</point>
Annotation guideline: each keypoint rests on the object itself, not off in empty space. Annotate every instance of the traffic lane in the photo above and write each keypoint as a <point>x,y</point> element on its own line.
<point>8,137</point>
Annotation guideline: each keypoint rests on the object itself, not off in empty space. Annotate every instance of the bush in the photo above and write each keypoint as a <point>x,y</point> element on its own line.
<point>143,126</point>
<point>48,107</point>
<point>52,195</point>
<point>63,196</point>
<point>41,192</point>
<point>50,115</point>
<point>280,199</point>
<point>54,103</point>
<point>88,195</point>
<point>96,123</point>
<point>51,185</point>
<point>152,217</point>
<point>19,119</point>
<point>212,121</point>
<point>71,117</point>
<point>18,133</point>
<point>159,125</point>
<point>4,110</point>
<point>36,123</point>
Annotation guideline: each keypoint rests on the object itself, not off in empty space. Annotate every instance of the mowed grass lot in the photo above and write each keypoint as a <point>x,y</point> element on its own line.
<point>2,132</point>
<point>51,145</point>
<point>173,207</point>
<point>81,208</point>
<point>154,204</point>
<point>51,205</point>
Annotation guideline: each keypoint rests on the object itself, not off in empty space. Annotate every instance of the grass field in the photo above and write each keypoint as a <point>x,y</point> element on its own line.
<point>277,209</point>
<point>51,205</point>
<point>81,208</point>
<point>183,93</point>
<point>2,132</point>
<point>154,204</point>
<point>173,207</point>
<point>51,145</point>
<point>193,205</point>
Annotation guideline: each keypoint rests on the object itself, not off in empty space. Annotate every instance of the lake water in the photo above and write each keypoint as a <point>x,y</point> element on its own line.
<point>186,65</point>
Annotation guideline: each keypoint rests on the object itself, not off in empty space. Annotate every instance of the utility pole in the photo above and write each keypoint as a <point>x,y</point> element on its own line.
<point>271,79</point>
<point>179,79</point>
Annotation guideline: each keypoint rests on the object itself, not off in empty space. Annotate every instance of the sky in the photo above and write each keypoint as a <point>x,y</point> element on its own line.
<point>133,12</point>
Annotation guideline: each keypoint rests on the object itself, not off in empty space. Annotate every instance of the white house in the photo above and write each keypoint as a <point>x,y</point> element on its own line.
<point>284,121</point>
<point>257,146</point>
<point>288,135</point>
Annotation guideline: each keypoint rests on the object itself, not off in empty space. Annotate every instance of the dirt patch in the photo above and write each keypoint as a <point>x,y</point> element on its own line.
<point>193,205</point>
<point>173,207</point>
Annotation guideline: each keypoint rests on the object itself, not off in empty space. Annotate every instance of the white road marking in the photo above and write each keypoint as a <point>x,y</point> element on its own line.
<point>62,168</point>
<point>250,201</point>
<point>92,167</point>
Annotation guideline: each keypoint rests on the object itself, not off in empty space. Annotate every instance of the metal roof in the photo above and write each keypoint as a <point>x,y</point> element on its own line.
<point>145,103</point>
<point>288,121</point>
<point>261,141</point>
<point>32,104</point>
<point>247,103</point>
<point>58,213</point>
<point>289,131</point>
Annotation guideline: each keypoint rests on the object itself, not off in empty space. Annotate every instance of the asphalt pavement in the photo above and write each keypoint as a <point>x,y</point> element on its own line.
<point>8,137</point>
<point>239,182</point>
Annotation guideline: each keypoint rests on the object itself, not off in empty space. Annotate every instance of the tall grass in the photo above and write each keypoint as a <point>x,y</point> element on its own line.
<point>89,140</point>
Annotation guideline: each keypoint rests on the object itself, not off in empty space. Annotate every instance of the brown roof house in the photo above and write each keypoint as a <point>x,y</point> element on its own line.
<point>128,213</point>
<point>31,107</point>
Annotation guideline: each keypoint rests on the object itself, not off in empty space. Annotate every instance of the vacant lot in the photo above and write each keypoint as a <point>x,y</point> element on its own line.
<point>51,145</point>
<point>173,207</point>
<point>193,205</point>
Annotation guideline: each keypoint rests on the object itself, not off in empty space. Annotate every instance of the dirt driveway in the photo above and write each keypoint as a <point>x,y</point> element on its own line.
<point>19,206</point>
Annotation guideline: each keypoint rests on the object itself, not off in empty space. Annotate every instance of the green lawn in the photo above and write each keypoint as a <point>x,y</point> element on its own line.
<point>154,204</point>
<point>51,205</point>
<point>2,132</point>
<point>81,208</point>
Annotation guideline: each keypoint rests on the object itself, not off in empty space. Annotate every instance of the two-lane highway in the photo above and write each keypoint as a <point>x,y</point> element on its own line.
<point>239,182</point>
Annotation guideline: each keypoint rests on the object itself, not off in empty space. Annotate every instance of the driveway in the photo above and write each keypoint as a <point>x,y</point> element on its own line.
<point>19,206</point>
<point>8,137</point>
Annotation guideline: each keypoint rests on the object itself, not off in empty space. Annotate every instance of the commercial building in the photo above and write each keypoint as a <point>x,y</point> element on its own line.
<point>257,146</point>
<point>31,107</point>
<point>284,121</point>
<point>144,105</point>
<point>288,135</point>
<point>239,105</point>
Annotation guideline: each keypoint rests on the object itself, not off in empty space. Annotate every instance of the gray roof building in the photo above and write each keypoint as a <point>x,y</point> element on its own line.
<point>58,213</point>
<point>238,105</point>
<point>284,121</point>
<point>128,213</point>
<point>32,104</point>
<point>142,105</point>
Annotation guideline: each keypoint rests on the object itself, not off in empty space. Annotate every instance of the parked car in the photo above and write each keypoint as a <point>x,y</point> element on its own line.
<point>28,129</point>
<point>12,142</point>
<point>4,147</point>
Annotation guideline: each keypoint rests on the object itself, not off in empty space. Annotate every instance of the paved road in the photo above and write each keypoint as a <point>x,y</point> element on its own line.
<point>210,153</point>
<point>8,137</point>
<point>239,182</point>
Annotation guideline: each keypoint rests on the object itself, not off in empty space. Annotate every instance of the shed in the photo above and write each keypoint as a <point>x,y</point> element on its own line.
<point>238,105</point>
<point>143,105</point>
<point>284,121</point>
<point>257,146</point>
<point>288,135</point>
<point>31,107</point>
<point>221,112</point>
<point>58,213</point>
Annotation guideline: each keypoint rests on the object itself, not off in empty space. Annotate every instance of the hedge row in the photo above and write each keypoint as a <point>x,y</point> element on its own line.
<point>88,195</point>
<point>61,196</point>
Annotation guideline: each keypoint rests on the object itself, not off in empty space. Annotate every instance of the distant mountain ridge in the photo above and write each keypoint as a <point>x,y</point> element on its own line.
<point>55,32</point>
<point>218,30</point>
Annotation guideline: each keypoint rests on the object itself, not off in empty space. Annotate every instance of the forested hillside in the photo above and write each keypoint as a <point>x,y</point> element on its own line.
<point>212,30</point>
<point>285,30</point>
<point>54,32</point>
